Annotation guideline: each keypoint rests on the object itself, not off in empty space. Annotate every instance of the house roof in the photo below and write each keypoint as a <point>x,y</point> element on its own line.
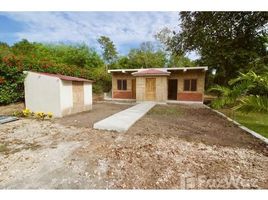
<point>65,78</point>
<point>205,68</point>
<point>150,72</point>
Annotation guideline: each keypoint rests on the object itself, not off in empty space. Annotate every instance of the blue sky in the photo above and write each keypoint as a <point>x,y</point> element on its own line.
<point>126,29</point>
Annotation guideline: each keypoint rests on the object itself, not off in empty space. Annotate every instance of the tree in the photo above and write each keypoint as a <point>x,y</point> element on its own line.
<point>121,63</point>
<point>225,41</point>
<point>24,47</point>
<point>180,61</point>
<point>109,50</point>
<point>147,56</point>
<point>174,59</point>
<point>79,55</point>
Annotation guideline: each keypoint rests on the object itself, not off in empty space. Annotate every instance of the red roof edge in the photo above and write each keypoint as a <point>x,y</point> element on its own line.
<point>65,78</point>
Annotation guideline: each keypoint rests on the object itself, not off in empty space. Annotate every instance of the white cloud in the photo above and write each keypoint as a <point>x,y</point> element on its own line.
<point>122,27</point>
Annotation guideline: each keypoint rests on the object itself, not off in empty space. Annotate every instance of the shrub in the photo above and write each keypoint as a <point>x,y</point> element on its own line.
<point>11,84</point>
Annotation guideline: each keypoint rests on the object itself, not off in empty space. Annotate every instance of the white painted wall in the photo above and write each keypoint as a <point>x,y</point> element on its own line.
<point>87,93</point>
<point>66,96</point>
<point>42,93</point>
<point>50,94</point>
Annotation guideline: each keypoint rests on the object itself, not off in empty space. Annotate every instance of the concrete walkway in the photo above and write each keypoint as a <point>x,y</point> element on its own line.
<point>123,120</point>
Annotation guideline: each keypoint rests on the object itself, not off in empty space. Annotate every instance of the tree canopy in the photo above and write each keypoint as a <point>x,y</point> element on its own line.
<point>110,53</point>
<point>230,42</point>
<point>147,56</point>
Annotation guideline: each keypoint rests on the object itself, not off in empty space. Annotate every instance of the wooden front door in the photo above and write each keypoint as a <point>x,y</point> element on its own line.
<point>150,89</point>
<point>133,88</point>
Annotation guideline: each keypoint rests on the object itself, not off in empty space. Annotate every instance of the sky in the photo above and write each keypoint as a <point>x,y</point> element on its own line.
<point>126,29</point>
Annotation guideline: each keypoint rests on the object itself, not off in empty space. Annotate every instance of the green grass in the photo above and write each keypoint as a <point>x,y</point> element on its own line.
<point>257,122</point>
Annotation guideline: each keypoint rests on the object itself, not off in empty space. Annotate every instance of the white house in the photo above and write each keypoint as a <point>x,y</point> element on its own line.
<point>58,94</point>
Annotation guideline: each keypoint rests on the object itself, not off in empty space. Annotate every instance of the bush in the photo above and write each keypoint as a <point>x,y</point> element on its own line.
<point>11,84</point>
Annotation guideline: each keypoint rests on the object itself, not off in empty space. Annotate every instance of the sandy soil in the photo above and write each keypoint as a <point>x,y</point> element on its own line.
<point>174,146</point>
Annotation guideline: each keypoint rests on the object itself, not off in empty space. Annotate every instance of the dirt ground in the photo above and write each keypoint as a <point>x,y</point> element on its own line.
<point>173,146</point>
<point>10,109</point>
<point>99,111</point>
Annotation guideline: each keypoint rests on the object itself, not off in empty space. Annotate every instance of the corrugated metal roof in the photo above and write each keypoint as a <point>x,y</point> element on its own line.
<point>65,78</point>
<point>150,72</point>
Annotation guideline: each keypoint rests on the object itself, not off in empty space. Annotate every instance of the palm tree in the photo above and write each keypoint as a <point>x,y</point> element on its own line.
<point>247,93</point>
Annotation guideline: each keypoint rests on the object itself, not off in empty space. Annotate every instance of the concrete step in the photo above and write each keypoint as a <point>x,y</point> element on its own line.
<point>123,120</point>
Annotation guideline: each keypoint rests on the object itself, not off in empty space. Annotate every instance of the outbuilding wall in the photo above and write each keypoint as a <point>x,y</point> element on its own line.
<point>42,93</point>
<point>50,94</point>
<point>67,98</point>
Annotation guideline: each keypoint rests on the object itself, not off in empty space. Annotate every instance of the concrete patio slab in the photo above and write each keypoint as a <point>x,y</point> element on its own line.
<point>123,120</point>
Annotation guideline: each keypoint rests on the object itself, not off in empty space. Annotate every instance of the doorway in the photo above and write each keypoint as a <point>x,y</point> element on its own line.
<point>78,96</point>
<point>150,92</point>
<point>172,89</point>
<point>133,88</point>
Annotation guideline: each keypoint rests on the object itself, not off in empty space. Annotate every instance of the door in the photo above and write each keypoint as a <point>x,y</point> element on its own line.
<point>150,89</point>
<point>133,88</point>
<point>172,89</point>
<point>78,95</point>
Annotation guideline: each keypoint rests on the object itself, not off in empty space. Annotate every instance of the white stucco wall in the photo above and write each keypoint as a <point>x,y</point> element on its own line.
<point>42,93</point>
<point>66,96</point>
<point>87,93</point>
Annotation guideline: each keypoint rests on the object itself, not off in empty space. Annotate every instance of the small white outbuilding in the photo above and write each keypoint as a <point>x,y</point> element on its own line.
<point>61,95</point>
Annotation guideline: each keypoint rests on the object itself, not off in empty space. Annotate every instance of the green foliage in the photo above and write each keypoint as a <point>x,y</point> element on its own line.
<point>121,63</point>
<point>79,55</point>
<point>259,83</point>
<point>180,61</point>
<point>230,42</point>
<point>109,50</point>
<point>253,103</point>
<point>225,96</point>
<point>229,96</point>
<point>175,60</point>
<point>103,80</point>
<point>256,121</point>
<point>11,84</point>
<point>72,60</point>
<point>147,55</point>
<point>247,93</point>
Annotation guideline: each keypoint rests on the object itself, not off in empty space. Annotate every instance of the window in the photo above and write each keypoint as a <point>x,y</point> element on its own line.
<point>122,84</point>
<point>190,85</point>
